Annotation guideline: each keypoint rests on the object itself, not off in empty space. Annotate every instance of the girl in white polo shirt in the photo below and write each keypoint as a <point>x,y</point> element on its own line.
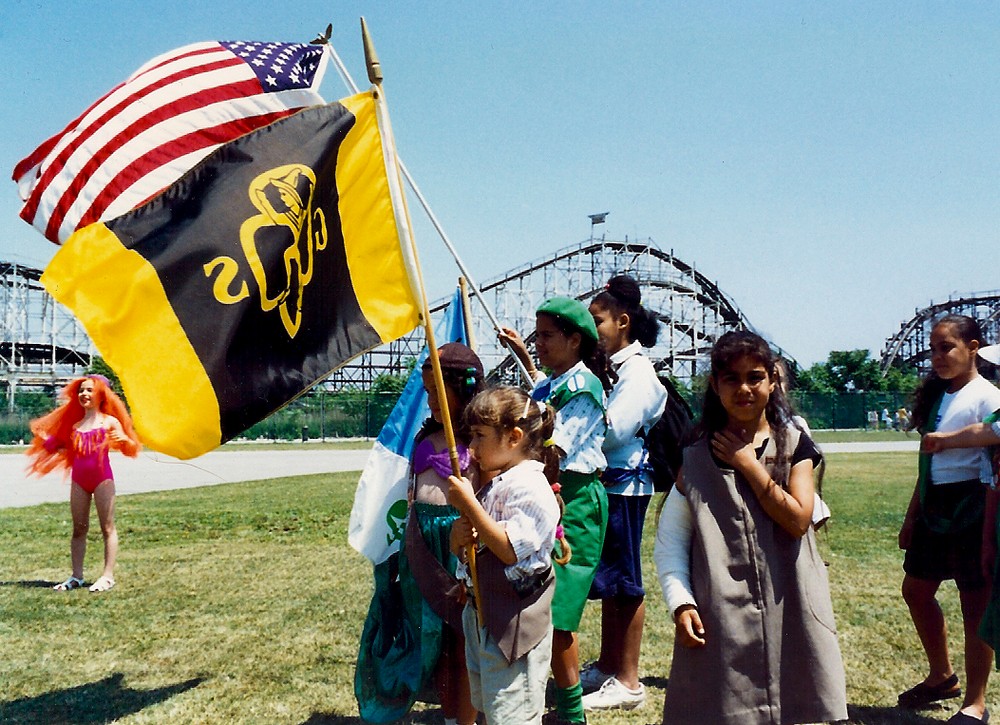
<point>942,530</point>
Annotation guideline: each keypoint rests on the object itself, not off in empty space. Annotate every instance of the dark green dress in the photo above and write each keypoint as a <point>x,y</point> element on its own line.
<point>416,599</point>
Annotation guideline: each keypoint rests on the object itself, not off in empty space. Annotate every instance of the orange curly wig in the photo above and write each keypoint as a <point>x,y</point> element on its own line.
<point>51,447</point>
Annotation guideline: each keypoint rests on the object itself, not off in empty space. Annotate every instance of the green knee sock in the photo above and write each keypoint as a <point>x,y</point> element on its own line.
<point>569,703</point>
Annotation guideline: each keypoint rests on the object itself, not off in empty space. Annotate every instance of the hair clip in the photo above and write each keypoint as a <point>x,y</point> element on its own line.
<point>556,488</point>
<point>548,443</point>
<point>524,413</point>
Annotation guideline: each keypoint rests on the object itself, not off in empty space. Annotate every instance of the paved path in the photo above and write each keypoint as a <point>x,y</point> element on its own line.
<point>156,472</point>
<point>153,471</point>
<point>874,447</point>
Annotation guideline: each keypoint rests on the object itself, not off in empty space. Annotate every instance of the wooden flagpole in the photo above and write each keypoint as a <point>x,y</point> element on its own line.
<point>376,77</point>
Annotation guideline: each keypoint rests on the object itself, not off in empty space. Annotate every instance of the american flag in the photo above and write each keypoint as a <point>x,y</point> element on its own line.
<point>147,132</point>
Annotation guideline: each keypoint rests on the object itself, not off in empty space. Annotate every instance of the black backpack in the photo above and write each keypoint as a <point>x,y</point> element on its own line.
<point>665,441</point>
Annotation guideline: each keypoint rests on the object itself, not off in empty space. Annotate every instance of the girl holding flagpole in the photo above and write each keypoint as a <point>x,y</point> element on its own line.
<point>566,337</point>
<point>513,523</point>
<point>427,649</point>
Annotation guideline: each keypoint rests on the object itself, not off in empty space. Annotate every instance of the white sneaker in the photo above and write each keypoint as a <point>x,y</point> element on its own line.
<point>614,695</point>
<point>592,678</point>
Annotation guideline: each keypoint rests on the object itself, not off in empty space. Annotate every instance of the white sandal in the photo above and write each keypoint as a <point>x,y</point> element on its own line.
<point>102,584</point>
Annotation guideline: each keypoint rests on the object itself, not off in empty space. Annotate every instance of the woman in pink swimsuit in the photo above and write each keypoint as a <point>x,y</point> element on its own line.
<point>76,438</point>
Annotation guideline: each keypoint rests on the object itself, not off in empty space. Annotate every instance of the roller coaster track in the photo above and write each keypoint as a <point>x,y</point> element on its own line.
<point>41,343</point>
<point>692,309</point>
<point>910,346</point>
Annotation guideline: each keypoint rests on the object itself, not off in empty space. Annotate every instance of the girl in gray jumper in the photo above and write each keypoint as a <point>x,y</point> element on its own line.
<point>737,559</point>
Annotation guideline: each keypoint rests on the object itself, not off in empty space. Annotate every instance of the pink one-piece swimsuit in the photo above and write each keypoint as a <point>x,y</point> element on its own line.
<point>91,466</point>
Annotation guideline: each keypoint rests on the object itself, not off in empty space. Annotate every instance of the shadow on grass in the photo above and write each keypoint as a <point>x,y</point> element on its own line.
<point>32,584</point>
<point>97,702</point>
<point>864,715</point>
<point>419,717</point>
<point>857,714</point>
<point>655,681</point>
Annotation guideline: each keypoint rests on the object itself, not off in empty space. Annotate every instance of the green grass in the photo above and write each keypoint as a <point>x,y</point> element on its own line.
<point>820,436</point>
<point>244,603</point>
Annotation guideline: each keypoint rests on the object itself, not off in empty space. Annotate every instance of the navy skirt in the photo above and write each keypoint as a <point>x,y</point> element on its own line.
<point>619,574</point>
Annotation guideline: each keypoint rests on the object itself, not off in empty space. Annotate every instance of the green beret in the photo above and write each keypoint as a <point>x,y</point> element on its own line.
<point>572,311</point>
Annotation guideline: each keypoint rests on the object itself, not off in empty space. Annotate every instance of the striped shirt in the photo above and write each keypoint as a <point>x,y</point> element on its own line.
<point>521,500</point>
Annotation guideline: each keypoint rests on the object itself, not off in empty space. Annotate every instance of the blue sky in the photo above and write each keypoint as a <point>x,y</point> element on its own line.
<point>833,166</point>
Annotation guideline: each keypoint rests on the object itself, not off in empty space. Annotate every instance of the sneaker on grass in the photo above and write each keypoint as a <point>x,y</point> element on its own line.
<point>614,695</point>
<point>591,677</point>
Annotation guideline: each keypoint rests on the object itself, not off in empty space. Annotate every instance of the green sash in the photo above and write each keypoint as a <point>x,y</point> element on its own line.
<point>579,383</point>
<point>965,513</point>
<point>993,450</point>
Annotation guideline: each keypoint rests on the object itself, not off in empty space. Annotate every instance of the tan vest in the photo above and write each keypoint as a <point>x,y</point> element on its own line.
<point>516,624</point>
<point>771,653</point>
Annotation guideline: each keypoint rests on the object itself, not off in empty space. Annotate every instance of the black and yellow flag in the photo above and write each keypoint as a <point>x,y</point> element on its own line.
<point>274,261</point>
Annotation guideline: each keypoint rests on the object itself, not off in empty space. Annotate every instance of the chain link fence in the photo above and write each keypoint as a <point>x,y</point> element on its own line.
<point>323,414</point>
<point>868,411</point>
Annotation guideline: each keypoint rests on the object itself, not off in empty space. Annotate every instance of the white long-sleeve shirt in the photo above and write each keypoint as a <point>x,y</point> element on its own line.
<point>636,402</point>
<point>672,551</point>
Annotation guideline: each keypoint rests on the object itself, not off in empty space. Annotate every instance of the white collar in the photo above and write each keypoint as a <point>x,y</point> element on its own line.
<point>524,466</point>
<point>557,381</point>
<point>633,348</point>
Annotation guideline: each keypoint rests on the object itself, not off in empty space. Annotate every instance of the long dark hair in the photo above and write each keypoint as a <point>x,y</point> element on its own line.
<point>933,386</point>
<point>590,352</point>
<point>727,350</point>
<point>621,295</point>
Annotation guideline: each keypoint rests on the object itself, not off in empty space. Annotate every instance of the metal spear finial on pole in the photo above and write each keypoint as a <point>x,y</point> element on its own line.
<point>371,58</point>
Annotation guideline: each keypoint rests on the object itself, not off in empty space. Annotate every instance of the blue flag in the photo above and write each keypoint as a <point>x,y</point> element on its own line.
<point>379,511</point>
